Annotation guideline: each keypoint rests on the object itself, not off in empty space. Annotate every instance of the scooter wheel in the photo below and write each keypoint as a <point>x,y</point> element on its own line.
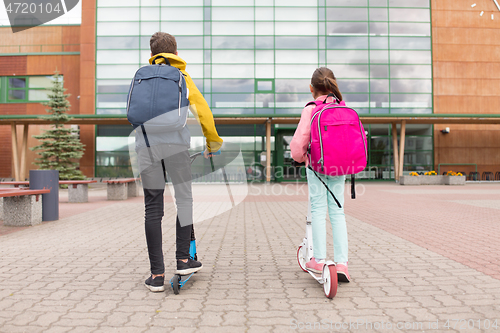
<point>301,257</point>
<point>175,285</point>
<point>330,280</point>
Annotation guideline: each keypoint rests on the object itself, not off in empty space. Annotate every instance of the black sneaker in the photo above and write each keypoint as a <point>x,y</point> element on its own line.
<point>185,268</point>
<point>156,284</point>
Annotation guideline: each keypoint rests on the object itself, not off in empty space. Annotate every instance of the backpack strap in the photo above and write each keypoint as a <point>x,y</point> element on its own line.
<point>336,201</point>
<point>161,57</point>
<point>331,95</point>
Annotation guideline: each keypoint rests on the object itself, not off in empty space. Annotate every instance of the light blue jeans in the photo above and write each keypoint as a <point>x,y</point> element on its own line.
<point>320,200</point>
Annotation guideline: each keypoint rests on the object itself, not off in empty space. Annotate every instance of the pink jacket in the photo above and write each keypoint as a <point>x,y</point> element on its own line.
<point>302,136</point>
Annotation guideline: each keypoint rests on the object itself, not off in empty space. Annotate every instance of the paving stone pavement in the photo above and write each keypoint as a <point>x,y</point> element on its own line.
<point>85,272</point>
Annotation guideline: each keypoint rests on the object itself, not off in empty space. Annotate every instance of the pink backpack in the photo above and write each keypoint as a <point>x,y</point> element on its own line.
<point>338,140</point>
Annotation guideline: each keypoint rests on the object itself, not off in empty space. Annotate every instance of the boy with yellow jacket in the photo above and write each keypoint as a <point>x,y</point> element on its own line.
<point>156,161</point>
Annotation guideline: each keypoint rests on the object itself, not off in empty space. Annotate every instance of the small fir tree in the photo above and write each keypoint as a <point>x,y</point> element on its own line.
<point>61,147</point>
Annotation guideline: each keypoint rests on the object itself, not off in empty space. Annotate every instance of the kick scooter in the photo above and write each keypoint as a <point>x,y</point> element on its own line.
<point>178,281</point>
<point>328,278</point>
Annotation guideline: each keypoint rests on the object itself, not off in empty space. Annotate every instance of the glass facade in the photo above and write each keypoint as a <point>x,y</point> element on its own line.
<point>256,57</point>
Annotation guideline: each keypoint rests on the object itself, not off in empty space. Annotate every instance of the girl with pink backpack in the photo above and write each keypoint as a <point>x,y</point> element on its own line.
<point>331,141</point>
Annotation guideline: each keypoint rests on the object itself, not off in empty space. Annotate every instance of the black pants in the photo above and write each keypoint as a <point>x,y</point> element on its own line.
<point>177,165</point>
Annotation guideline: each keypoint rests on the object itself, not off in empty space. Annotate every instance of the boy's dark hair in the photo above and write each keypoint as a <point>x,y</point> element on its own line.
<point>324,82</point>
<point>161,42</point>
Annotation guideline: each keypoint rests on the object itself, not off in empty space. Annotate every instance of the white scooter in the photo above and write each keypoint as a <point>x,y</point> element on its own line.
<point>328,278</point>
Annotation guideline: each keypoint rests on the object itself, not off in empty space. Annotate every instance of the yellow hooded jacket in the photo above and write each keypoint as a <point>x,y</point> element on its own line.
<point>198,105</point>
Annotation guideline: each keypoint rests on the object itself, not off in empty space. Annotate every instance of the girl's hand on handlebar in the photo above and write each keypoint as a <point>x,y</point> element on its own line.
<point>208,154</point>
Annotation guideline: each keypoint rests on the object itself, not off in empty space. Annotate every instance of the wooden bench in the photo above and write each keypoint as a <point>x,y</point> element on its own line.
<point>122,189</point>
<point>78,192</point>
<point>21,207</point>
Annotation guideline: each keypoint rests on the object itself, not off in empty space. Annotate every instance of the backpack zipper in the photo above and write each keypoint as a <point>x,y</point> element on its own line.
<point>180,91</point>
<point>130,92</point>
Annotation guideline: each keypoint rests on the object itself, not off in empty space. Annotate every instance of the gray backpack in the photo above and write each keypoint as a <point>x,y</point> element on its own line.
<point>157,100</point>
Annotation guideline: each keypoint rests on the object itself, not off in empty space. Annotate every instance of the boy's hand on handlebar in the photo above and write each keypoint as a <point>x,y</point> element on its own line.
<point>208,154</point>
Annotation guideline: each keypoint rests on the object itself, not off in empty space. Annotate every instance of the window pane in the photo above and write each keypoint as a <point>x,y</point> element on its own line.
<point>355,86</point>
<point>264,57</point>
<point>17,95</point>
<point>150,14</point>
<point>412,15</point>
<point>116,71</point>
<point>40,82</point>
<point>111,101</point>
<point>378,14</point>
<point>347,42</point>
<point>378,3</point>
<point>350,71</point>
<point>125,43</point>
<point>119,3</point>
<point>304,57</point>
<point>118,14</point>
<point>264,14</point>
<point>183,28</point>
<point>379,71</point>
<point>38,95</point>
<point>347,14</point>
<point>411,100</point>
<point>379,100</point>
<point>347,28</point>
<point>264,71</point>
<point>232,56</point>
<point>117,28</point>
<point>406,3</point>
<point>232,14</point>
<point>292,100</point>
<point>292,85</point>
<point>232,3</point>
<point>264,28</point>
<point>233,86</point>
<point>411,86</point>
<point>296,14</point>
<point>353,3</point>
<point>356,100</point>
<point>149,28</point>
<point>232,71</point>
<point>233,101</point>
<point>347,57</point>
<point>416,43</point>
<point>181,14</point>
<point>113,86</point>
<point>296,28</point>
<point>265,42</point>
<point>17,82</point>
<point>117,57</point>
<point>299,3</point>
<point>191,3</point>
<point>379,57</point>
<point>232,28</point>
<point>379,28</point>
<point>264,85</point>
<point>411,57</point>
<point>294,71</point>
<point>411,29</point>
<point>379,43</point>
<point>232,42</point>
<point>296,42</point>
<point>379,86</point>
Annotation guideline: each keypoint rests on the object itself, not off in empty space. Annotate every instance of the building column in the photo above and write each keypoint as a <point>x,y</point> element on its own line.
<point>395,151</point>
<point>14,151</point>
<point>268,150</point>
<point>402,147</point>
<point>24,148</point>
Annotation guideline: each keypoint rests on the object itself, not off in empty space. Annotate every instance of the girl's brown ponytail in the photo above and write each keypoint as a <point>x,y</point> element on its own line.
<point>324,82</point>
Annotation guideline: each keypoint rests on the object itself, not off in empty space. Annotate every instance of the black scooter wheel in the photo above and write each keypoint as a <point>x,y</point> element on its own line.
<point>175,285</point>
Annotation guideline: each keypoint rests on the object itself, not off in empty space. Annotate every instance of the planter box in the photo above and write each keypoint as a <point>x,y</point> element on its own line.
<point>409,180</point>
<point>431,180</point>
<point>454,180</point>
